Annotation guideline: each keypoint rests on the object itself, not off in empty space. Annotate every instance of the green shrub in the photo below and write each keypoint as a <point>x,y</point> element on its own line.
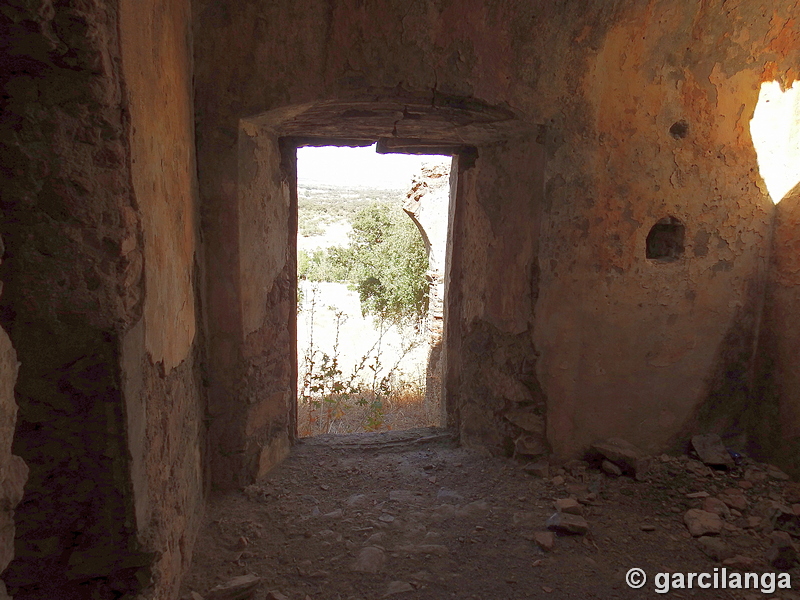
<point>321,265</point>
<point>386,263</point>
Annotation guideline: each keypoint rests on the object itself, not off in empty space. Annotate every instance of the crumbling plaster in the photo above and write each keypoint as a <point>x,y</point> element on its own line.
<point>778,375</point>
<point>618,344</point>
<point>99,205</point>
<point>162,356</point>
<point>13,470</point>
<point>558,329</point>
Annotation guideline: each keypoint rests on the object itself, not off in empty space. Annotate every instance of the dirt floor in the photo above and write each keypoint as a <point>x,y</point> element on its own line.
<point>412,515</point>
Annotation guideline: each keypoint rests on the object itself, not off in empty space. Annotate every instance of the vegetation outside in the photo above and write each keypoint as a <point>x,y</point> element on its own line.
<point>386,263</point>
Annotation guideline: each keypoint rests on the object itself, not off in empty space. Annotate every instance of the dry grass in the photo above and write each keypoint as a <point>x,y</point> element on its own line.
<point>404,408</point>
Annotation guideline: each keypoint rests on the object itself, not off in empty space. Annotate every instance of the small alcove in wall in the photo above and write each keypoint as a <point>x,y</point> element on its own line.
<point>665,241</point>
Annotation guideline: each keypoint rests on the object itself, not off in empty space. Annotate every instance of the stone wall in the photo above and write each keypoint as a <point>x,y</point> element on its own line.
<point>99,206</point>
<point>777,415</point>
<point>162,356</point>
<point>616,266</point>
<point>428,205</point>
<point>644,112</point>
<point>13,470</point>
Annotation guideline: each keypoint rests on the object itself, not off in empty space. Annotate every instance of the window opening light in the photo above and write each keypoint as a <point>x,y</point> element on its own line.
<point>775,130</point>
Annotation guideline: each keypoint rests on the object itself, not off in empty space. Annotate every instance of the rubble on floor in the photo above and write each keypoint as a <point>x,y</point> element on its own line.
<point>355,521</point>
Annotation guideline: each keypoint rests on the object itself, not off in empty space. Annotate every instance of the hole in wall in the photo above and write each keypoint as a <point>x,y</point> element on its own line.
<point>775,131</point>
<point>679,129</point>
<point>665,242</point>
<point>372,233</point>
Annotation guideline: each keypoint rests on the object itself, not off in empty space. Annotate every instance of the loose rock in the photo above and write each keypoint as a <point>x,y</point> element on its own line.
<point>567,523</point>
<point>568,505</point>
<point>540,468</point>
<point>711,450</point>
<point>238,588</point>
<point>752,522</point>
<point>545,540</point>
<point>449,496</point>
<point>776,473</point>
<point>700,522</point>
<point>369,560</point>
<point>717,506</point>
<point>755,476</point>
<point>792,493</point>
<point>783,553</point>
<point>473,509</point>
<point>357,500</point>
<point>610,468</point>
<point>715,548</point>
<point>695,495</point>
<point>398,587</point>
<point>734,498</point>
<point>620,452</point>
<point>376,538</point>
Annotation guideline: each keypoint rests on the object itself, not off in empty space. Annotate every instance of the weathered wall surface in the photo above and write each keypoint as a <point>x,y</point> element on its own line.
<point>428,205</point>
<point>490,386</point>
<point>68,289</point>
<point>631,346</point>
<point>162,357</point>
<point>13,470</point>
<point>646,110</point>
<point>778,420</point>
<point>109,394</point>
<point>157,67</point>
<point>252,420</point>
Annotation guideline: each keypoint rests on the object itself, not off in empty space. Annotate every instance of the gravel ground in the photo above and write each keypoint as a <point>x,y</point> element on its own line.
<point>412,515</point>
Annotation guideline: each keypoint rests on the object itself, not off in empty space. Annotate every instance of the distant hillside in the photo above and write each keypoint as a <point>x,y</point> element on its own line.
<point>321,205</point>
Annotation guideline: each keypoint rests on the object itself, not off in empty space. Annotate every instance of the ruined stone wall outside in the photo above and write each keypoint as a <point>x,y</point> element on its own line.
<point>428,205</point>
<point>646,110</point>
<point>112,437</point>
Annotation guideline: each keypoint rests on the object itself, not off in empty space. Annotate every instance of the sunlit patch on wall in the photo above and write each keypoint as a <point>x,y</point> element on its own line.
<point>775,130</point>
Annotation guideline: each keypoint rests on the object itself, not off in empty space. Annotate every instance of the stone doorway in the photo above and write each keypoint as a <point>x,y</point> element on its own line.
<point>252,256</point>
<point>371,239</point>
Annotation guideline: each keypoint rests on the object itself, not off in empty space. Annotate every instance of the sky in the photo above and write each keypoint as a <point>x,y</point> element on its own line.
<point>360,167</point>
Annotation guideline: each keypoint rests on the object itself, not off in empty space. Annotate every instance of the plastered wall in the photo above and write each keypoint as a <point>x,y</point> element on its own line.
<point>644,112</point>
<point>99,219</point>
<point>162,357</point>
<point>13,470</point>
<point>125,309</point>
<point>778,389</point>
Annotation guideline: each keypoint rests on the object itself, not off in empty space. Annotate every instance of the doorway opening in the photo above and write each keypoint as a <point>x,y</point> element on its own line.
<point>371,243</point>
